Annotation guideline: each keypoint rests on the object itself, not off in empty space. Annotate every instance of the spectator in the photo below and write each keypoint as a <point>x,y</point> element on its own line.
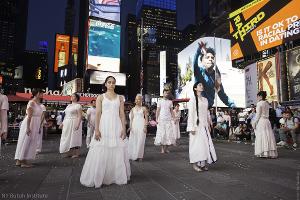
<point>289,126</point>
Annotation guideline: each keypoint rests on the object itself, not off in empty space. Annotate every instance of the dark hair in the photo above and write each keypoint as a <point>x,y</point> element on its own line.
<point>196,97</point>
<point>93,101</point>
<point>208,50</point>
<point>105,89</point>
<point>35,91</point>
<point>166,90</point>
<point>176,104</point>
<point>77,96</point>
<point>262,94</point>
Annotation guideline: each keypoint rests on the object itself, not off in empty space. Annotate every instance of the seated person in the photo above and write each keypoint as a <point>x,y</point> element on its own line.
<point>289,126</point>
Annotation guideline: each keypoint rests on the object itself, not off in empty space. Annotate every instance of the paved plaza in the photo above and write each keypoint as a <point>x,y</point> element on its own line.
<point>236,175</point>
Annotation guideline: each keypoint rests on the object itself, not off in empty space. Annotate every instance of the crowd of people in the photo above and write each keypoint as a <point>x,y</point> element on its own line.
<point>110,150</point>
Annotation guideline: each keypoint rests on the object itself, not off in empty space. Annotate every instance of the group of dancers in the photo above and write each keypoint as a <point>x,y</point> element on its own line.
<point>110,150</point>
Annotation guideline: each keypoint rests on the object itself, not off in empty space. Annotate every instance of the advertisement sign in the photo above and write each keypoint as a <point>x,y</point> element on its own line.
<point>105,9</point>
<point>149,35</point>
<point>104,46</point>
<point>162,71</point>
<point>75,49</point>
<point>266,78</point>
<point>263,24</point>
<point>229,81</point>
<point>293,62</point>
<point>73,86</point>
<point>251,84</point>
<point>98,77</point>
<point>61,57</point>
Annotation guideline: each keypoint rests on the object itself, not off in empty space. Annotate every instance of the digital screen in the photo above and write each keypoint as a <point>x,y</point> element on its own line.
<point>61,57</point>
<point>98,77</point>
<point>105,9</point>
<point>229,81</point>
<point>162,71</point>
<point>263,24</point>
<point>104,46</point>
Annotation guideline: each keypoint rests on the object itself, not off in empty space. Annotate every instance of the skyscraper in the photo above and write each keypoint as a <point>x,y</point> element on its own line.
<point>13,23</point>
<point>157,23</point>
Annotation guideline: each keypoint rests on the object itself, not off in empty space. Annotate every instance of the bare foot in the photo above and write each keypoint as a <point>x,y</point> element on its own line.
<point>196,168</point>
<point>18,163</point>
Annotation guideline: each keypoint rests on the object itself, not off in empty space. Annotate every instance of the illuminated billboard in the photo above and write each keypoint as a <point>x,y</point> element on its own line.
<point>105,9</point>
<point>162,71</point>
<point>98,77</point>
<point>75,49</point>
<point>266,78</point>
<point>198,61</point>
<point>293,62</point>
<point>61,57</point>
<point>263,24</point>
<point>104,46</point>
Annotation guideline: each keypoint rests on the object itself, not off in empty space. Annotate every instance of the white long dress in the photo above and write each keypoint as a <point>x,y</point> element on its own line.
<point>26,146</point>
<point>265,143</point>
<point>70,137</point>
<point>164,132</point>
<point>4,107</point>
<point>176,125</point>
<point>107,161</point>
<point>91,112</point>
<point>137,135</point>
<point>40,135</point>
<point>201,147</point>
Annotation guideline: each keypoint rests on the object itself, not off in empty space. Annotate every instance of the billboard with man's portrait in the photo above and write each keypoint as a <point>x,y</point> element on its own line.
<point>195,64</point>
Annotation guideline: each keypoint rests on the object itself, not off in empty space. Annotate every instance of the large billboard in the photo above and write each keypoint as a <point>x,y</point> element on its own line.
<point>61,57</point>
<point>293,62</point>
<point>266,78</point>
<point>197,63</point>
<point>251,84</point>
<point>98,77</point>
<point>104,46</point>
<point>263,24</point>
<point>162,71</point>
<point>75,49</point>
<point>105,9</point>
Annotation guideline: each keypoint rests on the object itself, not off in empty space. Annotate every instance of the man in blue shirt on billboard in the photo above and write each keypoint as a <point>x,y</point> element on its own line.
<point>205,73</point>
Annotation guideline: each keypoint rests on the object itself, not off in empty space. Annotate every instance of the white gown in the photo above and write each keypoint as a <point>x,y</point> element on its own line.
<point>137,136</point>
<point>164,133</point>
<point>26,146</point>
<point>90,129</point>
<point>107,161</point>
<point>176,125</point>
<point>265,143</point>
<point>201,147</point>
<point>70,137</point>
<point>40,135</point>
<point>4,107</point>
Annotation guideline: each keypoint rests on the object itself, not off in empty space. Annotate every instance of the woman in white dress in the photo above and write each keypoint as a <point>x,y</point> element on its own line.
<point>107,161</point>
<point>265,143</point>
<point>90,117</point>
<point>41,132</point>
<point>176,125</point>
<point>138,129</point>
<point>29,130</point>
<point>71,136</point>
<point>164,118</point>
<point>201,148</point>
<point>4,107</point>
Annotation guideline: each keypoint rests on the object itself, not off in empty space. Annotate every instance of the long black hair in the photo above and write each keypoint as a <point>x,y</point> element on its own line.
<point>105,89</point>
<point>262,94</point>
<point>35,91</point>
<point>77,96</point>
<point>197,103</point>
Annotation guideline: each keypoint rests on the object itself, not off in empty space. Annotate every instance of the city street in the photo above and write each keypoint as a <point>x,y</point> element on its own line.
<point>236,175</point>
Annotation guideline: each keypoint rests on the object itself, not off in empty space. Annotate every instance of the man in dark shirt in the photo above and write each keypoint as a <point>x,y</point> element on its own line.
<point>205,73</point>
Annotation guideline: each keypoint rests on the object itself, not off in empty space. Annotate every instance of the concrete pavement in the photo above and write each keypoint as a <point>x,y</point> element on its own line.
<point>236,175</point>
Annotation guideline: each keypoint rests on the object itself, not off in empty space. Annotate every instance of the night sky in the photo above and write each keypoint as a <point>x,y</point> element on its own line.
<point>46,18</point>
